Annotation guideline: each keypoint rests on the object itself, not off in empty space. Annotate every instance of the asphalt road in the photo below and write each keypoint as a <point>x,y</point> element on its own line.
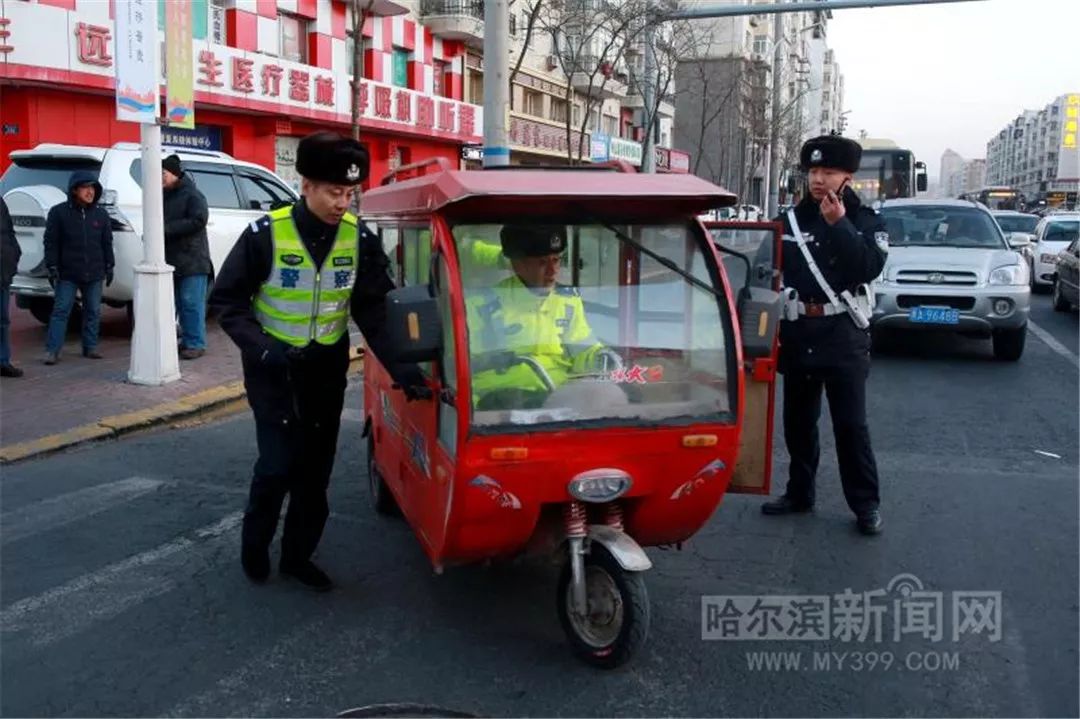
<point>122,592</point>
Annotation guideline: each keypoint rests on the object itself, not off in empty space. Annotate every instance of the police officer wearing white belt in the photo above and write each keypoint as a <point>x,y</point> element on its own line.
<point>833,247</point>
<point>285,294</point>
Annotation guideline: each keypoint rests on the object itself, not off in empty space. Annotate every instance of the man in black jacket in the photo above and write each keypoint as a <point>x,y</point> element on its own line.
<point>295,351</point>
<point>824,348</point>
<point>10,252</point>
<point>78,257</point>
<point>188,251</point>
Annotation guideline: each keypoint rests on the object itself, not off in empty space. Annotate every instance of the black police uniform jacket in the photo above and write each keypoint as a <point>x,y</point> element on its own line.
<point>849,253</point>
<point>310,384</point>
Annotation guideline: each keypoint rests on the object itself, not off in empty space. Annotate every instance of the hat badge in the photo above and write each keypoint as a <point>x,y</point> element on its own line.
<point>815,156</point>
<point>353,173</point>
<point>556,242</point>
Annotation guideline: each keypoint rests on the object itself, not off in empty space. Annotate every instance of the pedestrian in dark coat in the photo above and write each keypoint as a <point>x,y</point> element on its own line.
<point>187,249</point>
<point>10,252</point>
<point>79,258</point>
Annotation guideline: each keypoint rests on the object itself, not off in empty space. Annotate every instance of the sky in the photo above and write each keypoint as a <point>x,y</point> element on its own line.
<point>931,77</point>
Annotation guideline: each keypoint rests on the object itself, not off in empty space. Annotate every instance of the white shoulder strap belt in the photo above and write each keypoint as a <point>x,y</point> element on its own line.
<point>834,307</point>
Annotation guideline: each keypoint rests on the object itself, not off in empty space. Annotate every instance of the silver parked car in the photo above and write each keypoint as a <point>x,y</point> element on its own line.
<point>950,267</point>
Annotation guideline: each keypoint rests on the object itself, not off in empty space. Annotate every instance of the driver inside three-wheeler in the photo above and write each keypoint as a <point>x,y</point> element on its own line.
<point>590,387</point>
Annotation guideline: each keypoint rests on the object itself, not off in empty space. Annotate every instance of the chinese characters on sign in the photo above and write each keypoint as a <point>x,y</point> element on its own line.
<point>243,76</point>
<point>5,35</point>
<point>901,610</point>
<point>94,43</point>
<point>528,133</point>
<point>136,45</point>
<point>210,69</point>
<point>1072,117</point>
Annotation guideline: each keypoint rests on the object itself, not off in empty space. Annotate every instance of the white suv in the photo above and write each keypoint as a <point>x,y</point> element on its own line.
<point>237,192</point>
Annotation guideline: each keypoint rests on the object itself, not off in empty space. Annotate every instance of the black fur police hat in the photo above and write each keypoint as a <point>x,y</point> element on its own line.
<point>329,157</point>
<point>532,240</point>
<point>832,151</point>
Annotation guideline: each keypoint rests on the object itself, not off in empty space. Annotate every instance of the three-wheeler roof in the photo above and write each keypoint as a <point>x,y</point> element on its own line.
<point>513,191</point>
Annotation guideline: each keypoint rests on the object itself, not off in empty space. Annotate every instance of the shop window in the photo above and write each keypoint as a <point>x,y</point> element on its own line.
<point>400,71</point>
<point>442,82</point>
<point>293,37</point>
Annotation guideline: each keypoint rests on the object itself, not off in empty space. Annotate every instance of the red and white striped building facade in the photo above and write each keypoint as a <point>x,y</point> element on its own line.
<point>267,72</point>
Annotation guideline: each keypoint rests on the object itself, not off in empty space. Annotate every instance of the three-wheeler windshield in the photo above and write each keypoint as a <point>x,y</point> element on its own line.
<point>568,323</point>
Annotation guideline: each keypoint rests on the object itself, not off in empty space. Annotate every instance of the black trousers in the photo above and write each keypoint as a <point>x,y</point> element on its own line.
<point>846,390</point>
<point>296,457</point>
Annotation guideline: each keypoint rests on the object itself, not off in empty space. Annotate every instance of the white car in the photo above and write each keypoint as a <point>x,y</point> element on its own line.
<point>1052,235</point>
<point>237,193</point>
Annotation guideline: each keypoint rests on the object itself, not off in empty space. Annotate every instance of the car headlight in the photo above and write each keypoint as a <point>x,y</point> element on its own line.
<point>1010,275</point>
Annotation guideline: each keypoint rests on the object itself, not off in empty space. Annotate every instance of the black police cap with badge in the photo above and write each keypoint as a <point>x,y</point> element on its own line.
<point>532,240</point>
<point>831,151</point>
<point>330,157</point>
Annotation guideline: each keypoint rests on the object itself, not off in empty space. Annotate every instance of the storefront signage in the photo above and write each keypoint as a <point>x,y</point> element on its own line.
<point>199,138</point>
<point>680,162</point>
<point>544,138</point>
<point>222,75</point>
<point>620,149</point>
<point>599,147</point>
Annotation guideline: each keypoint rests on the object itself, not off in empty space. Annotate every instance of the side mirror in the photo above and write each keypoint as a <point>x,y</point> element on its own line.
<point>1018,240</point>
<point>414,331</point>
<point>759,319</point>
<point>920,183</point>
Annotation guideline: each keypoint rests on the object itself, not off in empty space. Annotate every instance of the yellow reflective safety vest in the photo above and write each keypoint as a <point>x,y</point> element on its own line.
<point>300,302</point>
<point>551,328</point>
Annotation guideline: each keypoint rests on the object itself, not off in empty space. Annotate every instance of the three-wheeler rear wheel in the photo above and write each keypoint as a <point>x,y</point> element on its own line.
<point>617,621</point>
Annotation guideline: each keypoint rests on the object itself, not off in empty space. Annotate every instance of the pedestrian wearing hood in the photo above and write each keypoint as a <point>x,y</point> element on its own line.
<point>79,258</point>
<point>188,251</point>
<point>822,347</point>
<point>9,262</point>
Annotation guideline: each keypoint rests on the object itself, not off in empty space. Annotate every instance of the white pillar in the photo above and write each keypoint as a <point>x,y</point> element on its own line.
<point>154,355</point>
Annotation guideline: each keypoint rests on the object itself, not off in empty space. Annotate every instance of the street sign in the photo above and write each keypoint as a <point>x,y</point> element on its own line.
<point>136,45</point>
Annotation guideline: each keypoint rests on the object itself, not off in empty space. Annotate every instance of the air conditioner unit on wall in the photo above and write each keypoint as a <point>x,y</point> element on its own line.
<point>551,62</point>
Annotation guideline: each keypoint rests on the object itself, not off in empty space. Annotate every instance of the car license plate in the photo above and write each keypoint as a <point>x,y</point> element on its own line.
<point>935,315</point>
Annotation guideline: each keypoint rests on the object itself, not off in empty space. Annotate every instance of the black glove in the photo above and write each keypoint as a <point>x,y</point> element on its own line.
<point>108,276</point>
<point>54,276</point>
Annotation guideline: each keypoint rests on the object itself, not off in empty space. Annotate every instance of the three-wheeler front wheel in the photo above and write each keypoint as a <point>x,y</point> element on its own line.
<point>617,620</point>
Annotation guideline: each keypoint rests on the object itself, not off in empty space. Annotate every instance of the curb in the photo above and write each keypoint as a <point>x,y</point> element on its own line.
<point>121,424</point>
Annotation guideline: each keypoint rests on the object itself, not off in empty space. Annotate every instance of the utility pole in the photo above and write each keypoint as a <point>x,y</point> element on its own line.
<point>774,118</point>
<point>496,83</point>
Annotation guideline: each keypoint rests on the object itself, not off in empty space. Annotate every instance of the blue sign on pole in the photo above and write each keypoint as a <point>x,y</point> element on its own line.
<point>201,138</point>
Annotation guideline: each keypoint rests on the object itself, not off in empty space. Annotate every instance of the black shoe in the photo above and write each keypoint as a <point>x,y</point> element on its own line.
<point>256,563</point>
<point>9,370</point>
<point>869,522</point>
<point>786,505</point>
<point>307,574</point>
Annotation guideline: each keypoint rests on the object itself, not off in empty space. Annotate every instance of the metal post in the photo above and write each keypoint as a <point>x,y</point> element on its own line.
<point>648,95</point>
<point>496,83</point>
<point>154,358</point>
<point>774,119</point>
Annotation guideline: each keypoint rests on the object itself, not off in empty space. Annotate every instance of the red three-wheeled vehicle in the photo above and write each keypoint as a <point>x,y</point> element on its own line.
<point>590,417</point>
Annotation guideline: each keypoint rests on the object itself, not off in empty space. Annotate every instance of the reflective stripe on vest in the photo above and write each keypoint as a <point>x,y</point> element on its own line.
<point>299,302</point>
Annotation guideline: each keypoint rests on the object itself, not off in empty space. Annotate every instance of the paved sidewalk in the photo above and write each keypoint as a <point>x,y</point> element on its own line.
<point>78,399</point>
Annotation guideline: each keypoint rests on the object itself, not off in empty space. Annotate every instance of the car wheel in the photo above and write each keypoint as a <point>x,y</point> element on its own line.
<point>1060,303</point>
<point>1009,344</point>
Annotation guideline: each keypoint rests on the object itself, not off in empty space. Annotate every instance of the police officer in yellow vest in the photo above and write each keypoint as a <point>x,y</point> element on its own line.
<point>528,315</point>
<point>285,294</point>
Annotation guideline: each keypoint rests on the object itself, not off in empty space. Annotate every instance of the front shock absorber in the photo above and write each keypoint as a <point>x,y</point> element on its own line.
<point>576,519</point>
<point>613,516</point>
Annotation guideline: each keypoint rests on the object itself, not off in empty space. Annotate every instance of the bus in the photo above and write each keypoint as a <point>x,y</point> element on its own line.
<point>997,198</point>
<point>887,171</point>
